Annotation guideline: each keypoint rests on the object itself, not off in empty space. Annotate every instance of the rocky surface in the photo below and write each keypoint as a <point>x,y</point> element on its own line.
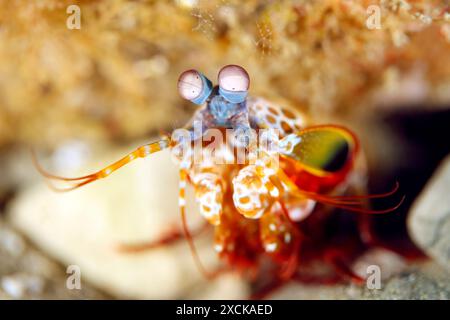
<point>429,219</point>
<point>416,282</point>
<point>27,273</point>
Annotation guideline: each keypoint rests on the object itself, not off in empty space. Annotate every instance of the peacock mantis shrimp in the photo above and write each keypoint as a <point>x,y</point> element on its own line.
<point>270,206</point>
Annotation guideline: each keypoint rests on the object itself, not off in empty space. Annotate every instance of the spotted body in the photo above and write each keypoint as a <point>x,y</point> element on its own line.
<point>254,193</point>
<point>264,114</point>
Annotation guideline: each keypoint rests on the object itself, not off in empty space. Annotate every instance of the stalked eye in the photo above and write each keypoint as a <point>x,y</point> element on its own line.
<point>233,78</point>
<point>190,84</point>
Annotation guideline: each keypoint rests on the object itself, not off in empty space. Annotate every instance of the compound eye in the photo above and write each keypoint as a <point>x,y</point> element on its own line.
<point>190,84</point>
<point>234,78</point>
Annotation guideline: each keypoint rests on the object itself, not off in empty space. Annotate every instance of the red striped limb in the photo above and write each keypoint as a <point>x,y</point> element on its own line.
<point>291,266</point>
<point>167,238</point>
<point>334,257</point>
<point>74,183</point>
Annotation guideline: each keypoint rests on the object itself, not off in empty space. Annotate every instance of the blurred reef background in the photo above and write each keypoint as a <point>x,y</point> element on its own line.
<point>84,97</point>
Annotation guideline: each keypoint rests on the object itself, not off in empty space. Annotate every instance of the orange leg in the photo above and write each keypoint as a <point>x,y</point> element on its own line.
<point>187,232</point>
<point>167,238</point>
<point>74,183</point>
<point>291,266</point>
<point>334,257</point>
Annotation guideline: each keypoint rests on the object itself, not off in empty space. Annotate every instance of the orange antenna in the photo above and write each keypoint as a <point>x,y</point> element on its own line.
<point>77,182</point>
<point>351,203</point>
